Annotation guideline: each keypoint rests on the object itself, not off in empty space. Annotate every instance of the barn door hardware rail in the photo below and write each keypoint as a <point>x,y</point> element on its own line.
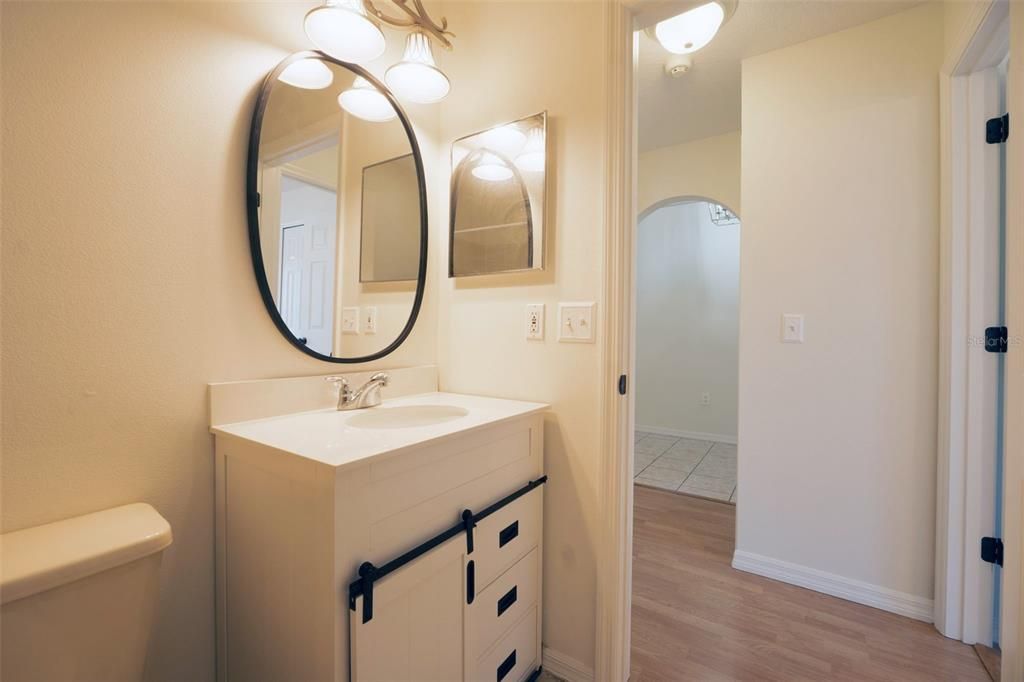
<point>369,573</point>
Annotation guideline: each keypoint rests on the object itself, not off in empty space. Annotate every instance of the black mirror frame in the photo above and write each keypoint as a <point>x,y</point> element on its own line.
<point>252,200</point>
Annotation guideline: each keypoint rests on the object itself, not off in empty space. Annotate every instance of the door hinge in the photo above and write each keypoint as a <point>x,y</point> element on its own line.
<point>997,129</point>
<point>996,339</point>
<point>992,550</point>
<point>622,384</point>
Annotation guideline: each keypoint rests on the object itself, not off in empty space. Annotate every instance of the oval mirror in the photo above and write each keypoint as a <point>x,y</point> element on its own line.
<point>337,209</point>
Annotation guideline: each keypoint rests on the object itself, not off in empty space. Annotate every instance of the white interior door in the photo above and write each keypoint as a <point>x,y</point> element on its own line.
<point>308,234</point>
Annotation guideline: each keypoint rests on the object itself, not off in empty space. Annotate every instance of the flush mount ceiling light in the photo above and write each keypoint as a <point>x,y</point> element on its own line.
<point>364,101</point>
<point>311,74</point>
<point>417,78</point>
<point>532,157</point>
<point>348,30</point>
<point>693,29</point>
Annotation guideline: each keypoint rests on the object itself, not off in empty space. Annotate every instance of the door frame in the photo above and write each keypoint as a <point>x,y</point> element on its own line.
<point>964,476</point>
<point>612,637</point>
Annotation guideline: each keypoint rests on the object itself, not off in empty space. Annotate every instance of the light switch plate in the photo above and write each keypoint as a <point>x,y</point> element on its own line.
<point>350,320</point>
<point>370,319</point>
<point>792,328</point>
<point>576,322</point>
<point>535,321</point>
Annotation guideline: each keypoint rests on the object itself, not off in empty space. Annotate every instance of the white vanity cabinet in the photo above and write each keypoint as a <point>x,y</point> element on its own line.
<point>304,500</point>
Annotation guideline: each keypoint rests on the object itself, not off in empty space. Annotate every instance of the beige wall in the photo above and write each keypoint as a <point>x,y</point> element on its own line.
<point>837,436</point>
<point>127,283</point>
<point>708,168</point>
<point>687,322</point>
<point>481,344</point>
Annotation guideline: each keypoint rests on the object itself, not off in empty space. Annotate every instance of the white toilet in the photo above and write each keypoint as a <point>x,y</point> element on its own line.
<point>78,597</point>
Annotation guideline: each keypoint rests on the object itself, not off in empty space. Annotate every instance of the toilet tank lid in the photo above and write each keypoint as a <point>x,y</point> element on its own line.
<point>41,558</point>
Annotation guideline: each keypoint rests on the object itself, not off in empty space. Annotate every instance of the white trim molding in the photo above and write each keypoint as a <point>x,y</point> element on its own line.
<point>566,667</point>
<point>696,435</point>
<point>902,603</point>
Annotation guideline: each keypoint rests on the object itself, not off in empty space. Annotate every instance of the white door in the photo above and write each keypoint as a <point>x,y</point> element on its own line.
<point>308,233</point>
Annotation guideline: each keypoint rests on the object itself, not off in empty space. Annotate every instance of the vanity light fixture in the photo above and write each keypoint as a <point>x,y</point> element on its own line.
<point>532,156</point>
<point>694,28</point>
<point>491,168</point>
<point>348,30</point>
<point>364,101</point>
<point>310,74</point>
<point>341,29</point>
<point>417,78</point>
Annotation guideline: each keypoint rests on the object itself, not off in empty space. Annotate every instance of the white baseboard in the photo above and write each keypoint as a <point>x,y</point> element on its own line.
<point>879,597</point>
<point>696,435</point>
<point>566,667</point>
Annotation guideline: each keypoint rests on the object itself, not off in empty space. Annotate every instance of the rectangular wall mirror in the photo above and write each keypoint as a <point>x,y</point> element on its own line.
<point>389,247</point>
<point>497,199</point>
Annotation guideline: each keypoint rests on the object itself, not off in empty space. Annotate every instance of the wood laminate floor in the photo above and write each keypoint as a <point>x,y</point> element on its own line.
<point>697,618</point>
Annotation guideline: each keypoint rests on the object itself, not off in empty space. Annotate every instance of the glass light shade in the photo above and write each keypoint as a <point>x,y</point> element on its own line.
<point>311,74</point>
<point>341,29</point>
<point>364,101</point>
<point>491,169</point>
<point>417,78</point>
<point>532,158</point>
<point>507,139</point>
<point>691,30</point>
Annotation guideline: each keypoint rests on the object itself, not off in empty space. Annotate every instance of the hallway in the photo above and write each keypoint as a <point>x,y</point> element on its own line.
<point>695,617</point>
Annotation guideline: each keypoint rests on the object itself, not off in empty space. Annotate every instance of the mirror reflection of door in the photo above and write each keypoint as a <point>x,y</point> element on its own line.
<point>308,229</point>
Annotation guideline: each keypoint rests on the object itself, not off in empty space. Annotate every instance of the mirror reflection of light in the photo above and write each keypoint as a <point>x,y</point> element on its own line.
<point>364,101</point>
<point>490,168</point>
<point>310,74</point>
<point>507,139</point>
<point>691,30</point>
<point>532,157</point>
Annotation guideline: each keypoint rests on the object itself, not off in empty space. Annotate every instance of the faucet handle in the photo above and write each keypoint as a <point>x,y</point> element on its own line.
<point>383,377</point>
<point>340,383</point>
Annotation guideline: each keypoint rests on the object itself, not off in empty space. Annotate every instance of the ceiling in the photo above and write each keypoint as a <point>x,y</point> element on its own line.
<point>706,101</point>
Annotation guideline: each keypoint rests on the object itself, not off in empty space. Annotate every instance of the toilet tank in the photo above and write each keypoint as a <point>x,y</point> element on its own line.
<point>78,597</point>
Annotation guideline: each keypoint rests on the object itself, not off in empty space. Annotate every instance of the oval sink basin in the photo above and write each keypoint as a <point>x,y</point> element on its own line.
<point>406,416</point>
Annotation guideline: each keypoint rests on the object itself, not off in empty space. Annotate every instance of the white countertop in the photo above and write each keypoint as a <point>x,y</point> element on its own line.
<point>326,436</point>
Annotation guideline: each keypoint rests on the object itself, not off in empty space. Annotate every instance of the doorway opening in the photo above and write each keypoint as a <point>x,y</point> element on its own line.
<point>687,348</point>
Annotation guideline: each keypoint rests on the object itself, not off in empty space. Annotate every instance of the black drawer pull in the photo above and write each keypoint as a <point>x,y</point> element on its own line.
<point>506,666</point>
<point>510,533</point>
<point>470,581</point>
<point>508,600</point>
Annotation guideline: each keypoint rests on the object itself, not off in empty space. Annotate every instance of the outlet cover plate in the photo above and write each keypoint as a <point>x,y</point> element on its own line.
<point>350,320</point>
<point>576,322</point>
<point>535,321</point>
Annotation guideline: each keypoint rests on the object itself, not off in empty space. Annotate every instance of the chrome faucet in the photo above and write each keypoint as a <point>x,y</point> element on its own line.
<point>367,395</point>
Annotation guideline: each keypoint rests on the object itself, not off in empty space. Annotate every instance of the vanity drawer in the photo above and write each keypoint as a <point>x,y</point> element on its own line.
<point>502,604</point>
<point>506,536</point>
<point>514,657</point>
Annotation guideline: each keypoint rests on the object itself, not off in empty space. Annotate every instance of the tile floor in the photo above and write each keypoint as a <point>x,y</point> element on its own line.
<point>695,467</point>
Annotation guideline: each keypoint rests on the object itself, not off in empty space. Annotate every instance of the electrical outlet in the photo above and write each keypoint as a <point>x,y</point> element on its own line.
<point>792,328</point>
<point>350,320</point>
<point>535,321</point>
<point>370,319</point>
<point>576,322</point>
<point>705,398</point>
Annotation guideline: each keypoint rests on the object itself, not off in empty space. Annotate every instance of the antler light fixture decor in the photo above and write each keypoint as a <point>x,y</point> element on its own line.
<point>349,30</point>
